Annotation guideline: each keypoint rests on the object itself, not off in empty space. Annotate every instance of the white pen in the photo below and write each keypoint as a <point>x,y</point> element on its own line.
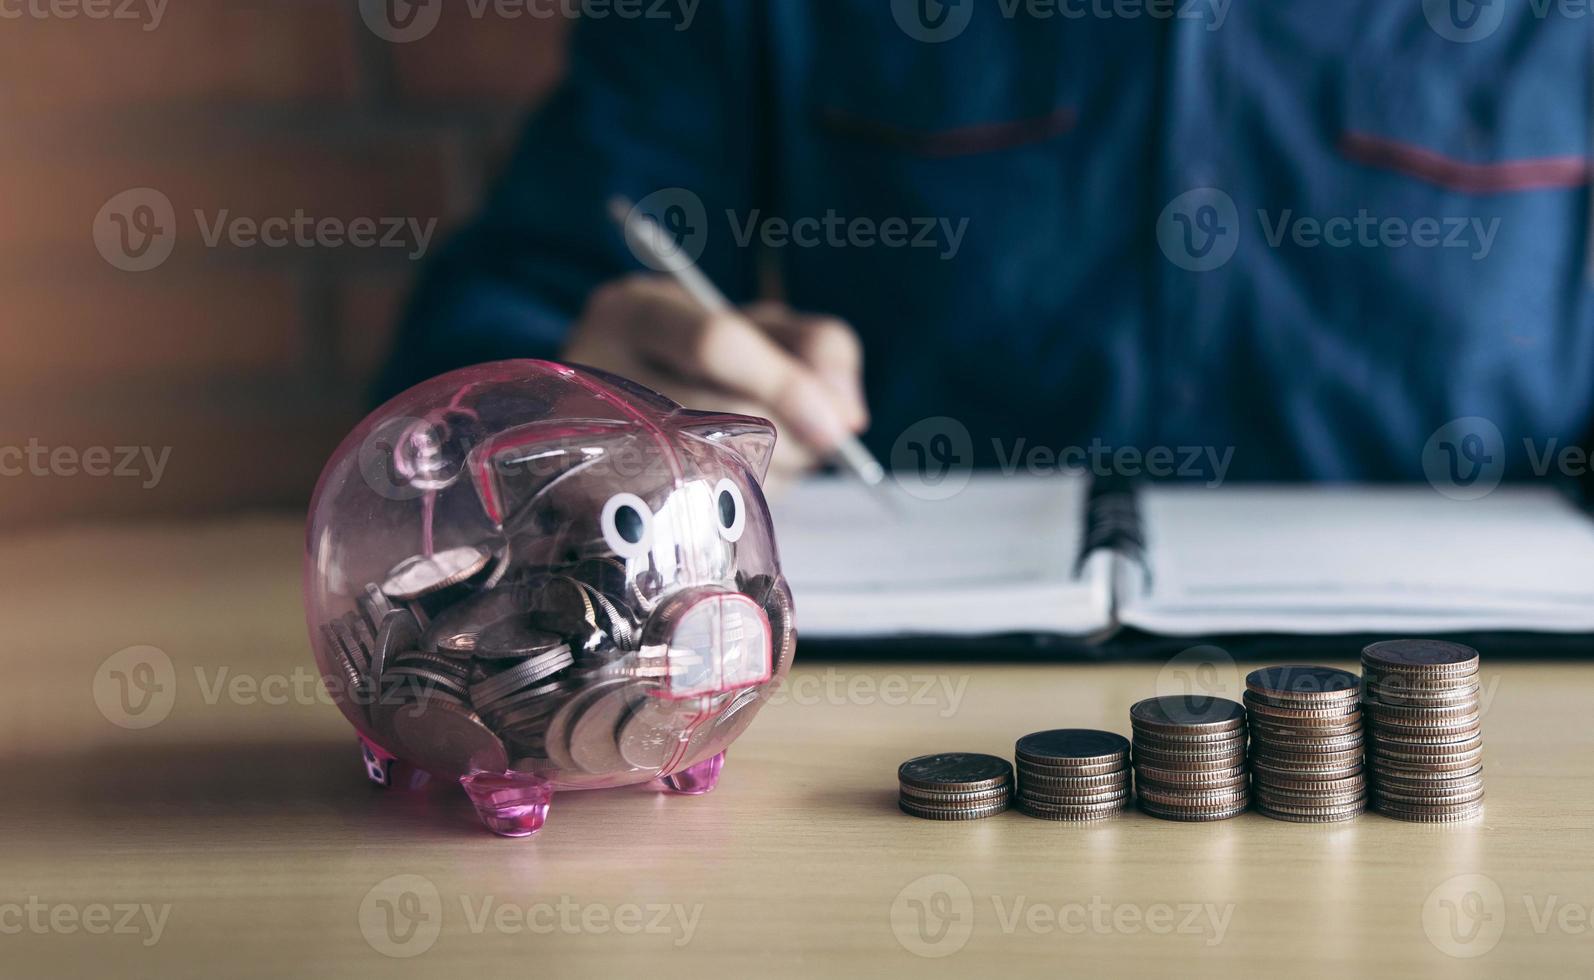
<point>663,253</point>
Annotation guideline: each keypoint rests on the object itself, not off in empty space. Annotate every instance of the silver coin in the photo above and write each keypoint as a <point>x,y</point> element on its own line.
<point>557,735</point>
<point>593,745</point>
<point>421,575</point>
<point>515,637</point>
<point>443,737</point>
<point>454,630</point>
<point>523,674</point>
<point>398,633</point>
<point>374,606</point>
<point>359,655</point>
<point>654,730</point>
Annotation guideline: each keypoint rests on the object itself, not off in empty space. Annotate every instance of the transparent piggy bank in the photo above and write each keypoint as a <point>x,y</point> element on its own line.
<point>531,577</point>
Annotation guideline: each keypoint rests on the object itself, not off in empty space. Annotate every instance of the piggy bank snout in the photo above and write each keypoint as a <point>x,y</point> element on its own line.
<point>709,640</point>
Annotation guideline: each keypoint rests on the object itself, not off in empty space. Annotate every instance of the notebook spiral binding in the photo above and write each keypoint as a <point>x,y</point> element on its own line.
<point>1112,523</point>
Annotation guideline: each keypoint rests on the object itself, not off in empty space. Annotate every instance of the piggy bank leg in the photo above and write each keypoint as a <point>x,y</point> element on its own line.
<point>386,771</point>
<point>511,804</point>
<point>696,780</point>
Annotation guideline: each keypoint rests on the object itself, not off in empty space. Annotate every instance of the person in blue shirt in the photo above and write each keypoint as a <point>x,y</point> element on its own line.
<point>1309,237</point>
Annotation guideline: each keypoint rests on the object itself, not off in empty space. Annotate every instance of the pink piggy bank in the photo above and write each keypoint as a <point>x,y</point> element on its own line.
<point>531,577</point>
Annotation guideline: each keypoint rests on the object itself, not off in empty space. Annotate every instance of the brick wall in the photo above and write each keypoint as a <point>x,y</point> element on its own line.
<point>248,360</point>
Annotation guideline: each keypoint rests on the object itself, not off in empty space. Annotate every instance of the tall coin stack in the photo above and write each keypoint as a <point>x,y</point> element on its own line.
<point>1306,743</point>
<point>1189,755</point>
<point>1426,738</point>
<point>954,786</point>
<point>1073,774</point>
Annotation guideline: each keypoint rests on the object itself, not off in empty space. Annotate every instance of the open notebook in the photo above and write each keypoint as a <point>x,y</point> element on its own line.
<point>1053,555</point>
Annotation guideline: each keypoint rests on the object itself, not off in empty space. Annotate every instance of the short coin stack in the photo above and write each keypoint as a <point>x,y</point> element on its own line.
<point>1073,774</point>
<point>1426,740</point>
<point>1189,755</point>
<point>955,786</point>
<point>1306,743</point>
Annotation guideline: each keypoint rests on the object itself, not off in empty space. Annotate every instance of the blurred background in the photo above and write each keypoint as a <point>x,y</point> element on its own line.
<point>249,360</point>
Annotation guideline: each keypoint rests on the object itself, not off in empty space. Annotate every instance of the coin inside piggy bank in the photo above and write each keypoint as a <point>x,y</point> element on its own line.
<point>530,577</point>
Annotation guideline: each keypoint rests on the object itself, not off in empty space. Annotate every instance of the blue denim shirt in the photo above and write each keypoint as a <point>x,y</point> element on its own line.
<point>1310,233</point>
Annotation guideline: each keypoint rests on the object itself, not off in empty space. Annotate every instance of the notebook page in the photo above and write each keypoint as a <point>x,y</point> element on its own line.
<point>997,557</point>
<point>1335,559</point>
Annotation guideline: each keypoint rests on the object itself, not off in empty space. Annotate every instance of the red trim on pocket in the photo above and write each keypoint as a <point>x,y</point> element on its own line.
<point>1463,176</point>
<point>983,138</point>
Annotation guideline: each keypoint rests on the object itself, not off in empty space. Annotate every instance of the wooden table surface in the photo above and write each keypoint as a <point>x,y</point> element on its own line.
<point>236,836</point>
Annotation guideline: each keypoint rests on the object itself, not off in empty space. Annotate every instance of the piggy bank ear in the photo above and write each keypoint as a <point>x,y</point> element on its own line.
<point>751,438</point>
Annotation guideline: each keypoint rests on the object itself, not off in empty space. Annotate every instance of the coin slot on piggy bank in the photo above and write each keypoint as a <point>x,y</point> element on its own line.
<point>534,578</point>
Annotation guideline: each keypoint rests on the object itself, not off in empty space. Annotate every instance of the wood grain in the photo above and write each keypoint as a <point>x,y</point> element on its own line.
<point>252,822</point>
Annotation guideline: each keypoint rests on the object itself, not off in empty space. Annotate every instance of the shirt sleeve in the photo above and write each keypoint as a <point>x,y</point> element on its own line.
<point>651,102</point>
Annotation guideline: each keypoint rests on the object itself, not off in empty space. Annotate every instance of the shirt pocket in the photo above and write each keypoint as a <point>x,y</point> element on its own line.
<point>1505,115</point>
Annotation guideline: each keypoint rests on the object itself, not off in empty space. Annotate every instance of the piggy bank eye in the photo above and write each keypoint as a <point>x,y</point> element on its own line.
<point>729,510</point>
<point>627,525</point>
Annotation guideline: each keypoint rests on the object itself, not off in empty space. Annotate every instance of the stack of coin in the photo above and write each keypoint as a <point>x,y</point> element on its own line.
<point>1426,739</point>
<point>1189,755</point>
<point>955,786</point>
<point>1073,774</point>
<point>1306,743</point>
